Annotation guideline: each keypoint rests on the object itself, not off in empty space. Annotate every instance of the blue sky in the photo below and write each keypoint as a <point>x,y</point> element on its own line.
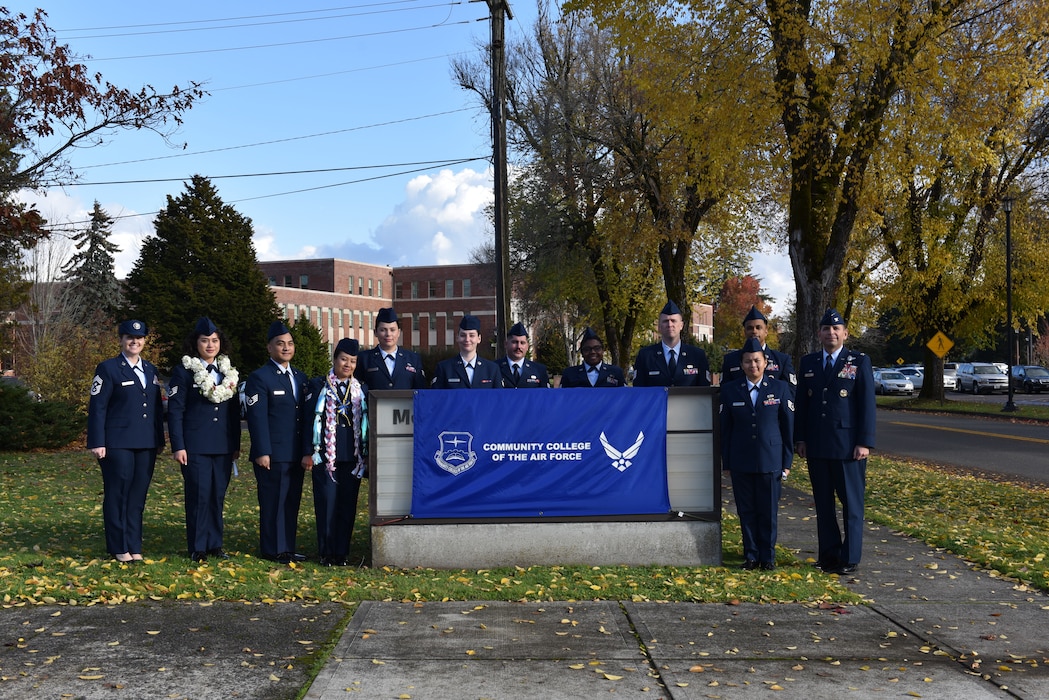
<point>310,86</point>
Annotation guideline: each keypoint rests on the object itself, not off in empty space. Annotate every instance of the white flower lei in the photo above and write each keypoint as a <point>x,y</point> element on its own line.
<point>215,393</point>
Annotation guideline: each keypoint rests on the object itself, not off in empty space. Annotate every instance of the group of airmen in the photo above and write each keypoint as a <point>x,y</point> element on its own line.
<point>297,425</point>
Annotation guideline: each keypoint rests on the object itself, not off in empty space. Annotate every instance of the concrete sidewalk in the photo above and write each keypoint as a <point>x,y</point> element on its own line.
<point>934,628</point>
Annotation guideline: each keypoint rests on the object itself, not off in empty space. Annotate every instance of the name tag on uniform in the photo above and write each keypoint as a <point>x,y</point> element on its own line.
<point>738,403</point>
<point>127,383</point>
<point>653,372</point>
<point>278,392</point>
<point>372,369</point>
<point>453,380</point>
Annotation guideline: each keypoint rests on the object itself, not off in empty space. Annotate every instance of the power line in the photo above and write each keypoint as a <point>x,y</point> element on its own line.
<point>262,24</point>
<point>275,141</point>
<point>313,171</point>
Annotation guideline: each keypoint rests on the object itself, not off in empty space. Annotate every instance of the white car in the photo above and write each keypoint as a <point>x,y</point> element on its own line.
<point>890,381</point>
<point>950,379</point>
<point>916,376</point>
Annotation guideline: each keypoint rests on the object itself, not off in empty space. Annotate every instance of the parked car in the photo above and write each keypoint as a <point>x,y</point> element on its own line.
<point>950,375</point>
<point>981,377</point>
<point>916,376</point>
<point>1030,378</point>
<point>890,381</point>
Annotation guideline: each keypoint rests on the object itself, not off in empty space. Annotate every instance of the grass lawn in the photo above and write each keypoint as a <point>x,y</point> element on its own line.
<point>54,552</point>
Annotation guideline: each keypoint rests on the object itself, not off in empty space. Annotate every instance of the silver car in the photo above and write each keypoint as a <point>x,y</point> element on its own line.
<point>889,381</point>
<point>981,377</point>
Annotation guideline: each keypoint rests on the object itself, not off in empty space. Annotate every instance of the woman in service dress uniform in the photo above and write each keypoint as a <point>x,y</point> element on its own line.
<point>204,426</point>
<point>125,428</point>
<point>335,451</point>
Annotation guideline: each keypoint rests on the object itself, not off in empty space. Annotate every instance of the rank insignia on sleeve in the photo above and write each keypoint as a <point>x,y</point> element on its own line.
<point>253,399</point>
<point>172,391</point>
<point>96,385</point>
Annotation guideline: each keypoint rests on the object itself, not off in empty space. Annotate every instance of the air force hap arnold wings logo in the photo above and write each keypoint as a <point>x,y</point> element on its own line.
<point>456,454</point>
<point>621,460</point>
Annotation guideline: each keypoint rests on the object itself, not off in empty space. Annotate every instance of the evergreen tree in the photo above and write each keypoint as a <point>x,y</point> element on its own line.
<point>312,354</point>
<point>93,295</point>
<point>202,262</point>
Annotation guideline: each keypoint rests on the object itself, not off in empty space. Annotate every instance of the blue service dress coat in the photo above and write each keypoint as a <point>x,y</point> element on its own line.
<point>533,375</point>
<point>210,434</point>
<point>275,416</point>
<point>779,366</point>
<point>650,367</point>
<point>335,496</point>
<point>835,413</point>
<point>128,420</point>
<point>757,447</point>
<point>451,374</point>
<point>607,376</point>
<point>373,373</point>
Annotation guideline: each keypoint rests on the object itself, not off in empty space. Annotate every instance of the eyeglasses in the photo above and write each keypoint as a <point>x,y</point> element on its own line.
<point>591,348</point>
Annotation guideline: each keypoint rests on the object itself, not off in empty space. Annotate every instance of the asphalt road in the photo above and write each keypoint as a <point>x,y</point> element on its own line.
<point>1003,446</point>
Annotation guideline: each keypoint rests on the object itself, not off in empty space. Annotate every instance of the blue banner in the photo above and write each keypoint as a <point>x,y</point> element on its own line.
<point>540,453</point>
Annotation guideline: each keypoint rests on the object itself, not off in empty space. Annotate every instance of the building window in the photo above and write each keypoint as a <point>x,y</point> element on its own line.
<point>273,281</point>
<point>304,281</point>
<point>370,289</point>
<point>432,323</point>
<point>466,288</point>
<point>415,322</point>
<point>378,288</point>
<point>415,290</point>
<point>449,289</point>
<point>398,291</point>
<point>366,319</point>
<point>287,280</point>
<point>360,319</point>
<point>360,286</point>
<point>338,318</point>
<point>451,322</point>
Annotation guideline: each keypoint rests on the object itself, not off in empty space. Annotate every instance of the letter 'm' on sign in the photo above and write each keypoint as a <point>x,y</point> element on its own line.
<point>403,416</point>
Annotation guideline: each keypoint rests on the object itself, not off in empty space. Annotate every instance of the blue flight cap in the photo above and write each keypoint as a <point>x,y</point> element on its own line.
<point>204,327</point>
<point>350,346</point>
<point>589,334</point>
<point>670,309</point>
<point>754,315</point>
<point>276,328</point>
<point>832,318</point>
<point>752,345</point>
<point>517,329</point>
<point>133,328</point>
<point>386,315</point>
<point>470,323</point>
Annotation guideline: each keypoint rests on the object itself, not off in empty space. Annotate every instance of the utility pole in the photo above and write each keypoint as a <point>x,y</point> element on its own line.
<point>500,12</point>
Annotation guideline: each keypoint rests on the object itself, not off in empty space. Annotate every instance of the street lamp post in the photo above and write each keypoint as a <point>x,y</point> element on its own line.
<point>1007,207</point>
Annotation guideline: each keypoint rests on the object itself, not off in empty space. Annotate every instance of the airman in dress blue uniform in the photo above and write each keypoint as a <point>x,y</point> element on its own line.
<point>593,371</point>
<point>334,449</point>
<point>755,325</point>
<point>468,370</point>
<point>757,447</point>
<point>274,397</point>
<point>387,366</point>
<point>834,431</point>
<point>204,425</point>
<point>671,362</point>
<point>518,371</point>
<point>125,429</point>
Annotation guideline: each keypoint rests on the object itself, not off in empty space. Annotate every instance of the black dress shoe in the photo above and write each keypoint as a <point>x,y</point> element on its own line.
<point>285,558</point>
<point>335,561</point>
<point>847,569</point>
<point>749,565</point>
<point>767,566</point>
<point>295,556</point>
<point>200,557</point>
<point>827,567</point>
<point>218,553</point>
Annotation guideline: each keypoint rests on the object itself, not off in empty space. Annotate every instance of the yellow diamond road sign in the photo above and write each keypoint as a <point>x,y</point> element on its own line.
<point>940,344</point>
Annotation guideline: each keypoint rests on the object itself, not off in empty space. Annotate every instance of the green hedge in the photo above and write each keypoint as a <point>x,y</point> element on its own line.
<point>27,424</point>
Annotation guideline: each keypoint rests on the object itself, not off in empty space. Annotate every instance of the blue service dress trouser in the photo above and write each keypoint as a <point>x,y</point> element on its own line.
<point>335,504</point>
<point>206,479</point>
<point>757,504</point>
<point>280,492</point>
<point>846,479</point>
<point>126,475</point>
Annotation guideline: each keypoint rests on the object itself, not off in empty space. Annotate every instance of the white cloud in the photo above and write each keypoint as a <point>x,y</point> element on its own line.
<point>441,221</point>
<point>777,277</point>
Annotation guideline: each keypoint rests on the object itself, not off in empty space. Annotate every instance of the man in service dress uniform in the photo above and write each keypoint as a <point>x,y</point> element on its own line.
<point>275,394</point>
<point>671,362</point>
<point>779,365</point>
<point>757,447</point>
<point>467,370</point>
<point>387,366</point>
<point>518,371</point>
<point>834,431</point>
<point>593,371</point>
